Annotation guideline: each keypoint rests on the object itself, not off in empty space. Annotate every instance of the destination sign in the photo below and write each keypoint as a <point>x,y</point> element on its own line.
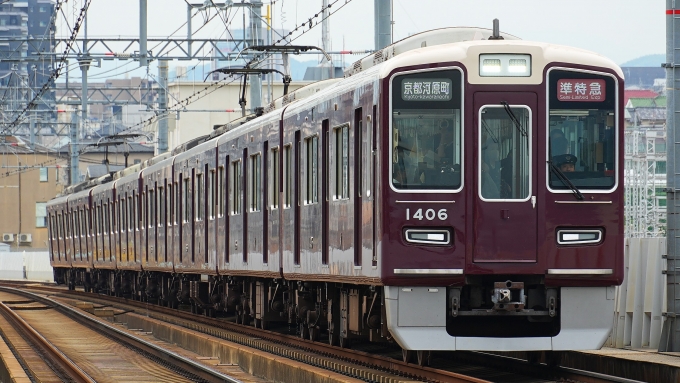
<point>581,90</point>
<point>426,89</point>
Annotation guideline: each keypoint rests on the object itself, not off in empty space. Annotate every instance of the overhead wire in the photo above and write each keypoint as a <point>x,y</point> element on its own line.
<point>56,73</point>
<point>188,100</point>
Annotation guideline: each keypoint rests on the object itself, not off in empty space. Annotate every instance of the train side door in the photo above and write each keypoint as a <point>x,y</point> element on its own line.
<point>505,214</point>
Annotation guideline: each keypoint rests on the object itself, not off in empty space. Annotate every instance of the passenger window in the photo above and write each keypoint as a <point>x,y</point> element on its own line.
<point>220,191</point>
<point>254,184</point>
<point>187,202</point>
<point>199,197</point>
<point>161,206</point>
<point>287,175</point>
<point>236,187</point>
<point>212,192</point>
<point>274,172</point>
<point>312,170</point>
<point>342,162</point>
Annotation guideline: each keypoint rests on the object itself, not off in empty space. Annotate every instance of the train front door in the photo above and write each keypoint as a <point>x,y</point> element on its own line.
<point>505,213</point>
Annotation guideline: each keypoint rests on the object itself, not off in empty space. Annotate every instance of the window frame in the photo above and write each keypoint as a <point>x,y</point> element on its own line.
<point>462,132</point>
<point>255,182</point>
<point>341,165</point>
<point>617,133</point>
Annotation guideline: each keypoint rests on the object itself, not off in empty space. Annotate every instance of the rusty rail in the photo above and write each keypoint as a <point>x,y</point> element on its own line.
<point>387,364</point>
<point>57,357</point>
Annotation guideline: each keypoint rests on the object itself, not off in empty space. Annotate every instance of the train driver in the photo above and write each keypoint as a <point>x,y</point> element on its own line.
<point>565,162</point>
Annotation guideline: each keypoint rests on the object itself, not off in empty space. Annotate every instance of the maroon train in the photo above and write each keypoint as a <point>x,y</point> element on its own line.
<point>455,191</point>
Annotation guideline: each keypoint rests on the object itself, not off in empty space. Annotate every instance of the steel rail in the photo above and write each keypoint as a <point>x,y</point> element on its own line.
<point>121,336</point>
<point>390,365</point>
<point>65,364</point>
<point>387,364</point>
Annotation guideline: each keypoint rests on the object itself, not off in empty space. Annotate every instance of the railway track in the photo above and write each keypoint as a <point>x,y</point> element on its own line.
<point>79,348</point>
<point>365,362</point>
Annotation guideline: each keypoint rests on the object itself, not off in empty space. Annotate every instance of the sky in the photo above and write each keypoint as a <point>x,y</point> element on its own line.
<point>619,29</point>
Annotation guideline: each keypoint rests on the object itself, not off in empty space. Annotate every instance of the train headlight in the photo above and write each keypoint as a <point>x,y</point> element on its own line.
<point>504,65</point>
<point>578,237</point>
<point>428,236</point>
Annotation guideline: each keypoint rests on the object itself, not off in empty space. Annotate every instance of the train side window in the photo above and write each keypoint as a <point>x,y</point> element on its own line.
<point>341,162</point>
<point>130,217</point>
<point>219,200</point>
<point>236,187</point>
<point>176,197</point>
<point>287,175</point>
<point>83,224</point>
<point>274,177</point>
<point>171,202</point>
<point>114,217</point>
<point>312,170</point>
<point>254,184</point>
<point>105,210</point>
<point>161,206</point>
<point>199,196</point>
<point>212,192</point>
<point>187,203</point>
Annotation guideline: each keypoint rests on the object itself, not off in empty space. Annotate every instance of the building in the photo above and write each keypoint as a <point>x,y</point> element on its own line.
<point>213,107</point>
<point>25,67</point>
<point>28,180</point>
<point>117,157</point>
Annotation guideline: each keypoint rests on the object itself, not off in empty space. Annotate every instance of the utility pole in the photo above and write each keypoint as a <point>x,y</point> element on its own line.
<point>73,149</point>
<point>255,28</point>
<point>84,62</point>
<point>326,37</point>
<point>670,335</point>
<point>162,106</point>
<point>383,23</point>
<point>142,34</point>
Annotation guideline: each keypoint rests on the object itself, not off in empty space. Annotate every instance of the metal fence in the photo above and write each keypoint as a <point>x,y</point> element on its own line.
<point>640,300</point>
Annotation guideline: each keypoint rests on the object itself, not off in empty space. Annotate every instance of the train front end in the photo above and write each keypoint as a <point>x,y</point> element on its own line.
<point>502,196</point>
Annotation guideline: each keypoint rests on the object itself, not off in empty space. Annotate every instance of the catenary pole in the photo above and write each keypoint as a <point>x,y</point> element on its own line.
<point>162,106</point>
<point>255,28</point>
<point>383,23</point>
<point>142,34</point>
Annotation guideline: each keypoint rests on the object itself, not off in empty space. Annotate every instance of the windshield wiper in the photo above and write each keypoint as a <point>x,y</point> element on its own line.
<point>562,177</point>
<point>513,118</point>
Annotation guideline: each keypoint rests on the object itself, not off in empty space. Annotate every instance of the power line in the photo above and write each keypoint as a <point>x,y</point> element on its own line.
<point>55,73</point>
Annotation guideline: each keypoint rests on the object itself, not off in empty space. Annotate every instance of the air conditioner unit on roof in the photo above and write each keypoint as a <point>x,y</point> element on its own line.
<point>7,237</point>
<point>25,238</point>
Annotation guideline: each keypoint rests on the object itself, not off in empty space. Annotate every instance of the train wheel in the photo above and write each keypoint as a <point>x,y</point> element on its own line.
<point>407,355</point>
<point>423,357</point>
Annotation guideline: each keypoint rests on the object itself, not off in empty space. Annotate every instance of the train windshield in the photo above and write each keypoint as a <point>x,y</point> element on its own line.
<point>582,130</point>
<point>426,133</point>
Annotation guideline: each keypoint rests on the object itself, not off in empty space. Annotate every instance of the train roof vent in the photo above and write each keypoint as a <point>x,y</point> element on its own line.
<point>421,40</point>
<point>154,160</point>
<point>127,171</point>
<point>190,144</point>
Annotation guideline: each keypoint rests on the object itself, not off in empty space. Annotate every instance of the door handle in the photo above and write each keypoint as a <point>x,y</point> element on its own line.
<point>533,201</point>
